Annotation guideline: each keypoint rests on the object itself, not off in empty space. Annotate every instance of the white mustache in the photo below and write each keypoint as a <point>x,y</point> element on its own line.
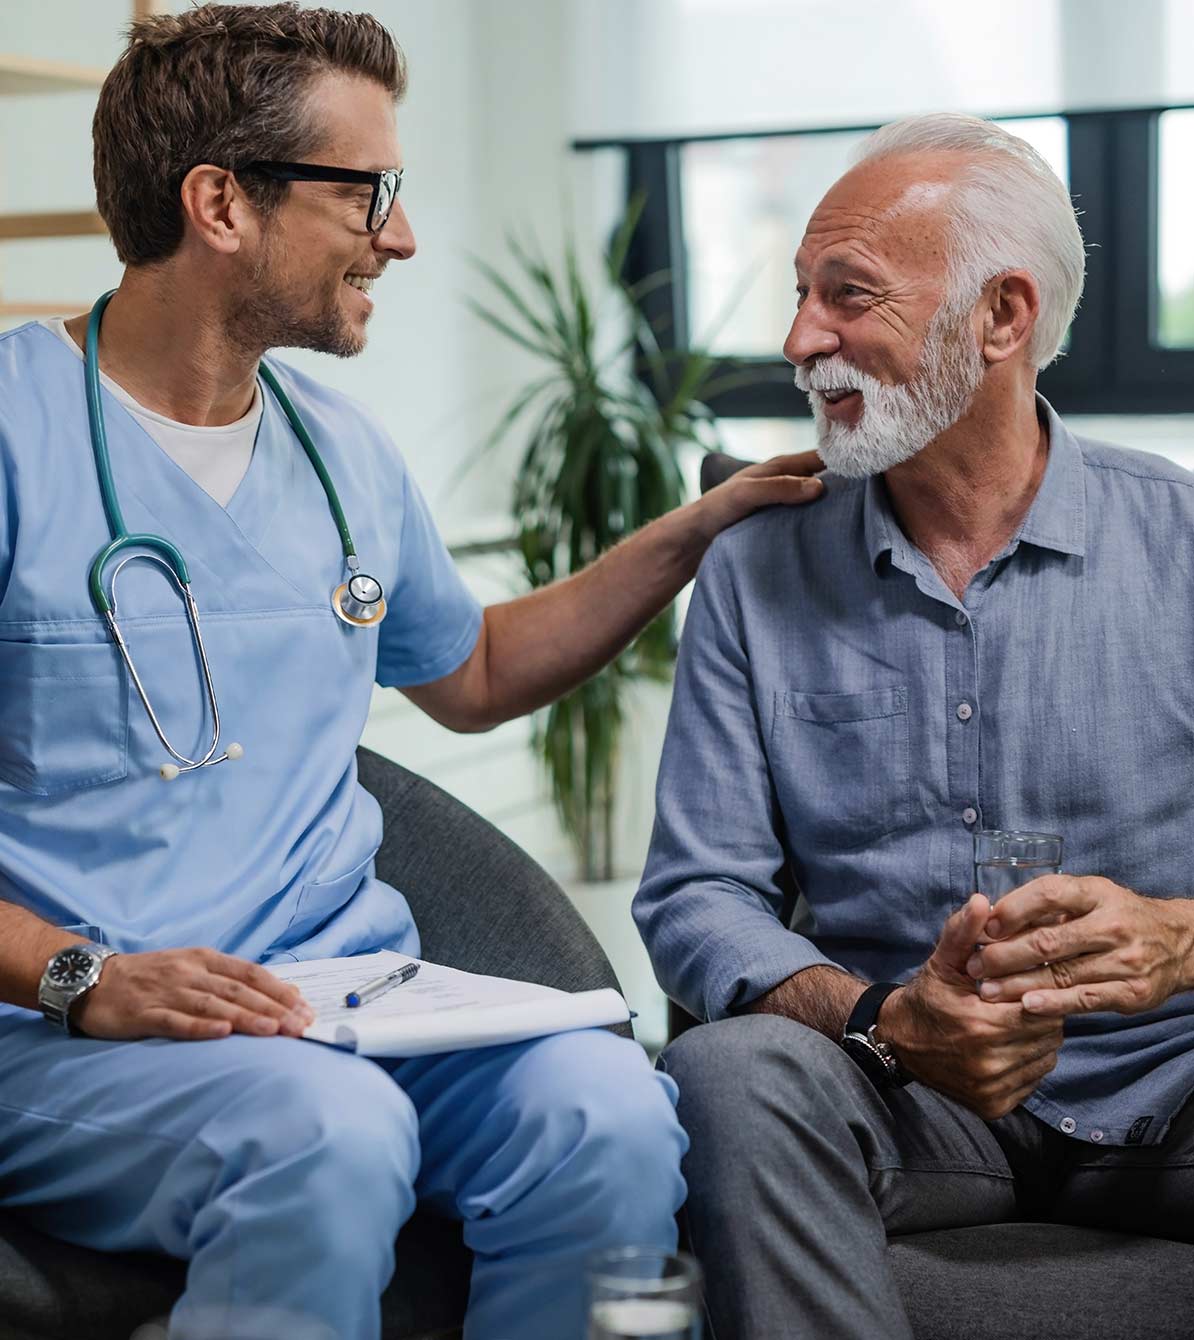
<point>830,373</point>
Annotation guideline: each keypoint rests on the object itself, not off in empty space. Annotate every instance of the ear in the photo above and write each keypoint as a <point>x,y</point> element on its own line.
<point>1009,307</point>
<point>217,208</point>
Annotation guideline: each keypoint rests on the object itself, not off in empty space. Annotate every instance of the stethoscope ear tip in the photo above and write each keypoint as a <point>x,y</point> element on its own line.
<point>235,751</point>
<point>168,771</point>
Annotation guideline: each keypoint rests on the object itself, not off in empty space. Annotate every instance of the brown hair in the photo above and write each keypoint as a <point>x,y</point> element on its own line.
<point>220,84</point>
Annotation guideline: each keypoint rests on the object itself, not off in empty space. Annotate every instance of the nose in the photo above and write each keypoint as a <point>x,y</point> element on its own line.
<point>395,239</point>
<point>810,335</point>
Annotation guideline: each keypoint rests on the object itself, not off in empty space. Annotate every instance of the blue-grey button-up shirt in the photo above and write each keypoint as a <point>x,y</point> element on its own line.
<point>842,724</point>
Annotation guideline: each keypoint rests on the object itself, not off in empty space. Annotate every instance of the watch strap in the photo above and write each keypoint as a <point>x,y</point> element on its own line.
<point>866,1009</point>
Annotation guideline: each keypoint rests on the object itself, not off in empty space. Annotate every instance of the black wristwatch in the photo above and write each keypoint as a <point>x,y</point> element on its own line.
<point>876,1059</point>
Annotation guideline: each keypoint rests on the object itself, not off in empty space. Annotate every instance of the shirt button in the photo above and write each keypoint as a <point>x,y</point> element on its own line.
<point>965,711</point>
<point>961,619</point>
<point>1068,1125</point>
<point>969,815</point>
<point>1096,1136</point>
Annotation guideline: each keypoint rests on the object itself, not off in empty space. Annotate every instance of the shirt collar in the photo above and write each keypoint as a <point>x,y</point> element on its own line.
<point>1055,520</point>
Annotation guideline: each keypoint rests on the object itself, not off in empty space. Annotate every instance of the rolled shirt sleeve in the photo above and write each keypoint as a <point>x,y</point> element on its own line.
<point>710,904</point>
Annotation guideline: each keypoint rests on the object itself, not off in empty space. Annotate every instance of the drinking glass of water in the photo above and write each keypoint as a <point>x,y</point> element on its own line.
<point>1003,860</point>
<point>641,1292</point>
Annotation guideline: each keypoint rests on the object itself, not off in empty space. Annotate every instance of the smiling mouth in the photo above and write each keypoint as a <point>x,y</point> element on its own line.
<point>362,282</point>
<point>836,394</point>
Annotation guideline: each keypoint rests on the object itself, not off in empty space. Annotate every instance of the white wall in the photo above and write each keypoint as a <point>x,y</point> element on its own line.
<point>663,67</point>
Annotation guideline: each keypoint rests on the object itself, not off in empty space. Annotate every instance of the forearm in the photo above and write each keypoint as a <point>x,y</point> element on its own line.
<point>543,645</point>
<point>26,945</point>
<point>820,997</point>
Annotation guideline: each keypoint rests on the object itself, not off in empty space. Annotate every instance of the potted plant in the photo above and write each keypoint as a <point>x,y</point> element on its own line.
<point>604,427</point>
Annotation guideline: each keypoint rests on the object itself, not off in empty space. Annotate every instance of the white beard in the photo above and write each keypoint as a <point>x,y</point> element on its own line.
<point>897,421</point>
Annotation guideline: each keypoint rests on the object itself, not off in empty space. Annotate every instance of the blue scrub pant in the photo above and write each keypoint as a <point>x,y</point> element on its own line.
<point>282,1170</point>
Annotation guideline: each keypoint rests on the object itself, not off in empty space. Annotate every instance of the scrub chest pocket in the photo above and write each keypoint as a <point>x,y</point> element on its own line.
<point>840,762</point>
<point>63,716</point>
<point>323,898</point>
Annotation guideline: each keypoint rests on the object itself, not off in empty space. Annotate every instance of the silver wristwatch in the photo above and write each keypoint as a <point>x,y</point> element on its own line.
<point>68,977</point>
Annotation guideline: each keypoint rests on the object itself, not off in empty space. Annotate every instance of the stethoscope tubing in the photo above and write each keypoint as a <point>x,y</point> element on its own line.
<point>185,764</point>
<point>170,558</point>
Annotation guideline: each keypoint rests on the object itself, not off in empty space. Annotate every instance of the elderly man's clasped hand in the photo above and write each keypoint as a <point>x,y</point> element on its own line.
<point>988,1056</point>
<point>984,1025</point>
<point>1068,944</point>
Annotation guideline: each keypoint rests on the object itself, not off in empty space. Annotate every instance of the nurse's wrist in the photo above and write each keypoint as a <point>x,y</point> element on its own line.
<point>29,945</point>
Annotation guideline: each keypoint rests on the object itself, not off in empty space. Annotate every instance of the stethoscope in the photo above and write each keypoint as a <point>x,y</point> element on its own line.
<point>358,600</point>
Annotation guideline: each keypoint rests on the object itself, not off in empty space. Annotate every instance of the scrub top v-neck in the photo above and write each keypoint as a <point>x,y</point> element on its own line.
<point>272,856</point>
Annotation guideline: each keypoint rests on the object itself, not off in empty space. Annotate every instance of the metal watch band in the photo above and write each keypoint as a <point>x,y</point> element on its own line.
<point>57,1001</point>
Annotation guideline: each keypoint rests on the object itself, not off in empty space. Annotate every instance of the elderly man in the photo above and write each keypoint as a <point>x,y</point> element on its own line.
<point>972,629</point>
<point>247,165</point>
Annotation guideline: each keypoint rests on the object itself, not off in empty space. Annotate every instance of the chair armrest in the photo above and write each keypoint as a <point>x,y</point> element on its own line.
<point>479,901</point>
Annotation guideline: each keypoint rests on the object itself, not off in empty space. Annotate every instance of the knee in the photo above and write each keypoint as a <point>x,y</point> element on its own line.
<point>337,1125</point>
<point>614,1116</point>
<point>725,1067</point>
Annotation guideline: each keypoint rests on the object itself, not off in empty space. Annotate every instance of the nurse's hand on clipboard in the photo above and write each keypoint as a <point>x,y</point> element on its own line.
<point>189,995</point>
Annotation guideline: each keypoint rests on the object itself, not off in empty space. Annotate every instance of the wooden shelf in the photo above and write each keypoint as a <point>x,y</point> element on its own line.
<point>78,223</point>
<point>42,308</point>
<point>25,74</point>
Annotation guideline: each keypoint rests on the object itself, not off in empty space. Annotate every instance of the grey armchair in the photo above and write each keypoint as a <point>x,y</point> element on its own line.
<point>1028,1281</point>
<point>482,905</point>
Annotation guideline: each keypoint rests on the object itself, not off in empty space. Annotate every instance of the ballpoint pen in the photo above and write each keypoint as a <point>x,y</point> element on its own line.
<point>380,985</point>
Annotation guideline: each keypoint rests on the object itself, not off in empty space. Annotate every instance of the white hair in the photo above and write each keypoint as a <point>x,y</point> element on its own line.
<point>1008,211</point>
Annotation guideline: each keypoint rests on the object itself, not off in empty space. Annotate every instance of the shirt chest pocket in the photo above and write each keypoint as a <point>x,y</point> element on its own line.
<point>840,765</point>
<point>63,716</point>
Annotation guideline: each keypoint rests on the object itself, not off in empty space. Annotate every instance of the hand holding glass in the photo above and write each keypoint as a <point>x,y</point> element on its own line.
<point>1005,859</point>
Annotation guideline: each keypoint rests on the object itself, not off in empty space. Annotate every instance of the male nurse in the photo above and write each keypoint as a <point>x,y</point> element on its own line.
<point>154,1093</point>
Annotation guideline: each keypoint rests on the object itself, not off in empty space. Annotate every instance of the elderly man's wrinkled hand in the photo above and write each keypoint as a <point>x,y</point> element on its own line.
<point>989,1057</point>
<point>1067,944</point>
<point>783,479</point>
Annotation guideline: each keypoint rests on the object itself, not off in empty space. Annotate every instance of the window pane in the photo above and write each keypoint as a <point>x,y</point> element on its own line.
<point>1048,136</point>
<point>745,206</point>
<point>746,203</point>
<point>1175,208</point>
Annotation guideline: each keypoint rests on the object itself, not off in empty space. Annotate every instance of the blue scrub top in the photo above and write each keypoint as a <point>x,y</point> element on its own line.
<point>270,857</point>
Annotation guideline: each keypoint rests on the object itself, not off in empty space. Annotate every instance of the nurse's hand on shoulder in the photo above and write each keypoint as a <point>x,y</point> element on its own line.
<point>783,479</point>
<point>190,995</point>
<point>988,1056</point>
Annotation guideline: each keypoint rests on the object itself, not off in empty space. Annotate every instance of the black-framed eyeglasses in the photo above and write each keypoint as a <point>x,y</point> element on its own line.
<point>386,184</point>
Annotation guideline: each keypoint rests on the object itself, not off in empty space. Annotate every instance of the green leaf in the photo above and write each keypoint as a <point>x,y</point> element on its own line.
<point>600,457</point>
<point>615,261</point>
<point>504,328</point>
<point>507,290</point>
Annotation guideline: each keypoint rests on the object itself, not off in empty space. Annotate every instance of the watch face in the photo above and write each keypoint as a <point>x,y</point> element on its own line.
<point>71,967</point>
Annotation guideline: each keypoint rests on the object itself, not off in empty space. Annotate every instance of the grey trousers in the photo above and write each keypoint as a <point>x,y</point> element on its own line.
<point>799,1169</point>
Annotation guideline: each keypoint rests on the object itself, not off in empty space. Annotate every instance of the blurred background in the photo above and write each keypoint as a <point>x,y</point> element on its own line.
<point>541,118</point>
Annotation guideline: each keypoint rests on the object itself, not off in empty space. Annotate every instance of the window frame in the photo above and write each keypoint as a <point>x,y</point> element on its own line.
<point>1113,365</point>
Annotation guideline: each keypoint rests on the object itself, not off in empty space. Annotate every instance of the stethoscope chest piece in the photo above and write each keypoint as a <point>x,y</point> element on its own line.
<point>359,601</point>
